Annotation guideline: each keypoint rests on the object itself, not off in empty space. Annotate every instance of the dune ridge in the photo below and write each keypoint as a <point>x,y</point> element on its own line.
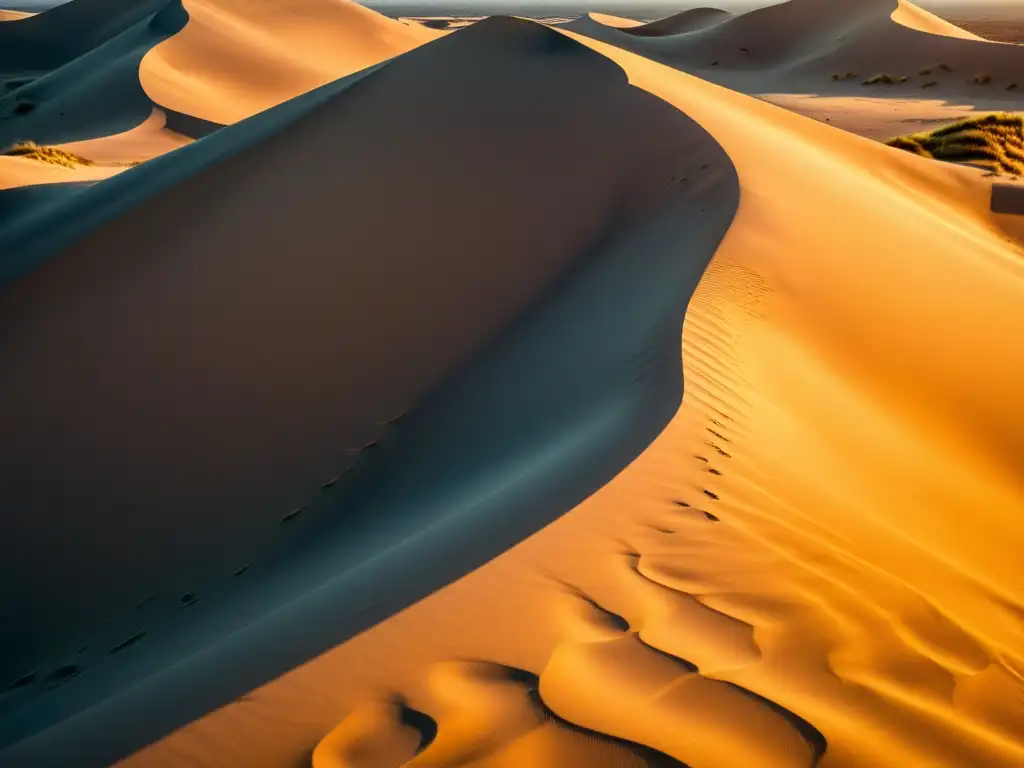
<point>679,23</point>
<point>792,44</point>
<point>348,482</point>
<point>235,58</point>
<point>794,537</point>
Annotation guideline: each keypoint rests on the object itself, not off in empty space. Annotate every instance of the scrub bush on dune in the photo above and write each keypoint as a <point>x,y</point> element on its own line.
<point>994,142</point>
<point>53,155</point>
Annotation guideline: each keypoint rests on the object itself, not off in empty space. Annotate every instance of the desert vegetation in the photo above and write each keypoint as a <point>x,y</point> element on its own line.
<point>885,79</point>
<point>994,142</point>
<point>52,155</point>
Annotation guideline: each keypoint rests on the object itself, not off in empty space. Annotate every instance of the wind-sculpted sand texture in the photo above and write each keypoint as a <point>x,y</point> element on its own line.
<point>785,576</point>
<point>394,406</point>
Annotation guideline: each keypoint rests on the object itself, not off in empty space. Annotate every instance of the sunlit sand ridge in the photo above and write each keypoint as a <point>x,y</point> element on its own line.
<point>816,561</point>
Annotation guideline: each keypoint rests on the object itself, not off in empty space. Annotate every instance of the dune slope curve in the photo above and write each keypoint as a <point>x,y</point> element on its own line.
<point>795,43</point>
<point>239,428</point>
<point>816,562</point>
<point>235,58</point>
<point>45,41</point>
<point>96,95</point>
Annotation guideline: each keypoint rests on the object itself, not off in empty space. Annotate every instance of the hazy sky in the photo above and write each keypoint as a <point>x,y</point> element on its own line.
<point>38,5</point>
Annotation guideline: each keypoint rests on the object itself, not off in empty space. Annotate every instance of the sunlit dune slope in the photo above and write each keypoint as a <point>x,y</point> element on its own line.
<point>816,563</point>
<point>237,57</point>
<point>814,39</point>
<point>20,172</point>
<point>6,15</point>
<point>212,350</point>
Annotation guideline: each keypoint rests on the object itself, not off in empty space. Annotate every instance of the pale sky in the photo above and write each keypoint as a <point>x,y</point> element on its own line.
<point>624,5</point>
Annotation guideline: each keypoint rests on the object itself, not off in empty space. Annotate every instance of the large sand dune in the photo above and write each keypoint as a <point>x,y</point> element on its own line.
<point>256,333</point>
<point>815,563</point>
<point>238,57</point>
<point>801,43</point>
<point>42,42</point>
<point>266,395</point>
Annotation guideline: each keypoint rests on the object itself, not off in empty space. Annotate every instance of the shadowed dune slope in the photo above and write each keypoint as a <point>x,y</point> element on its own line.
<point>235,57</point>
<point>814,38</point>
<point>685,21</point>
<point>97,94</point>
<point>817,561</point>
<point>209,351</point>
<point>48,40</point>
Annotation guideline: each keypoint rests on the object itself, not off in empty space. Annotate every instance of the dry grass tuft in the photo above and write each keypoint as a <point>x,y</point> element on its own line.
<point>53,155</point>
<point>844,75</point>
<point>994,142</point>
<point>884,79</point>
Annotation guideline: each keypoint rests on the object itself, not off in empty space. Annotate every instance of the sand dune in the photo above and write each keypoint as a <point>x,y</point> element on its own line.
<point>46,41</point>
<point>95,95</point>
<point>309,370</point>
<point>679,23</point>
<point>235,58</point>
<point>801,43</point>
<point>192,311</point>
<point>816,563</point>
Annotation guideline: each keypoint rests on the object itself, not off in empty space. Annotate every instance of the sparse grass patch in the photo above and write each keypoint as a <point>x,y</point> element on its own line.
<point>994,142</point>
<point>52,155</point>
<point>884,79</point>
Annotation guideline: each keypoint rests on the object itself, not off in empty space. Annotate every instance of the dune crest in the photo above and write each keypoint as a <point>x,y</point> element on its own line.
<point>247,325</point>
<point>235,58</point>
<point>804,46</point>
<point>805,509</point>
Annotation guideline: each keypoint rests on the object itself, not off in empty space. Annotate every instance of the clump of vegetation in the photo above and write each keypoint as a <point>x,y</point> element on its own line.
<point>884,79</point>
<point>944,67</point>
<point>925,72</point>
<point>982,79</point>
<point>24,107</point>
<point>994,142</point>
<point>1012,87</point>
<point>844,75</point>
<point>929,84</point>
<point>53,155</point>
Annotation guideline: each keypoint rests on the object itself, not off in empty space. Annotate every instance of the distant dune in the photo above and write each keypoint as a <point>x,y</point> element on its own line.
<point>235,57</point>
<point>513,394</point>
<point>799,42</point>
<point>685,21</point>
